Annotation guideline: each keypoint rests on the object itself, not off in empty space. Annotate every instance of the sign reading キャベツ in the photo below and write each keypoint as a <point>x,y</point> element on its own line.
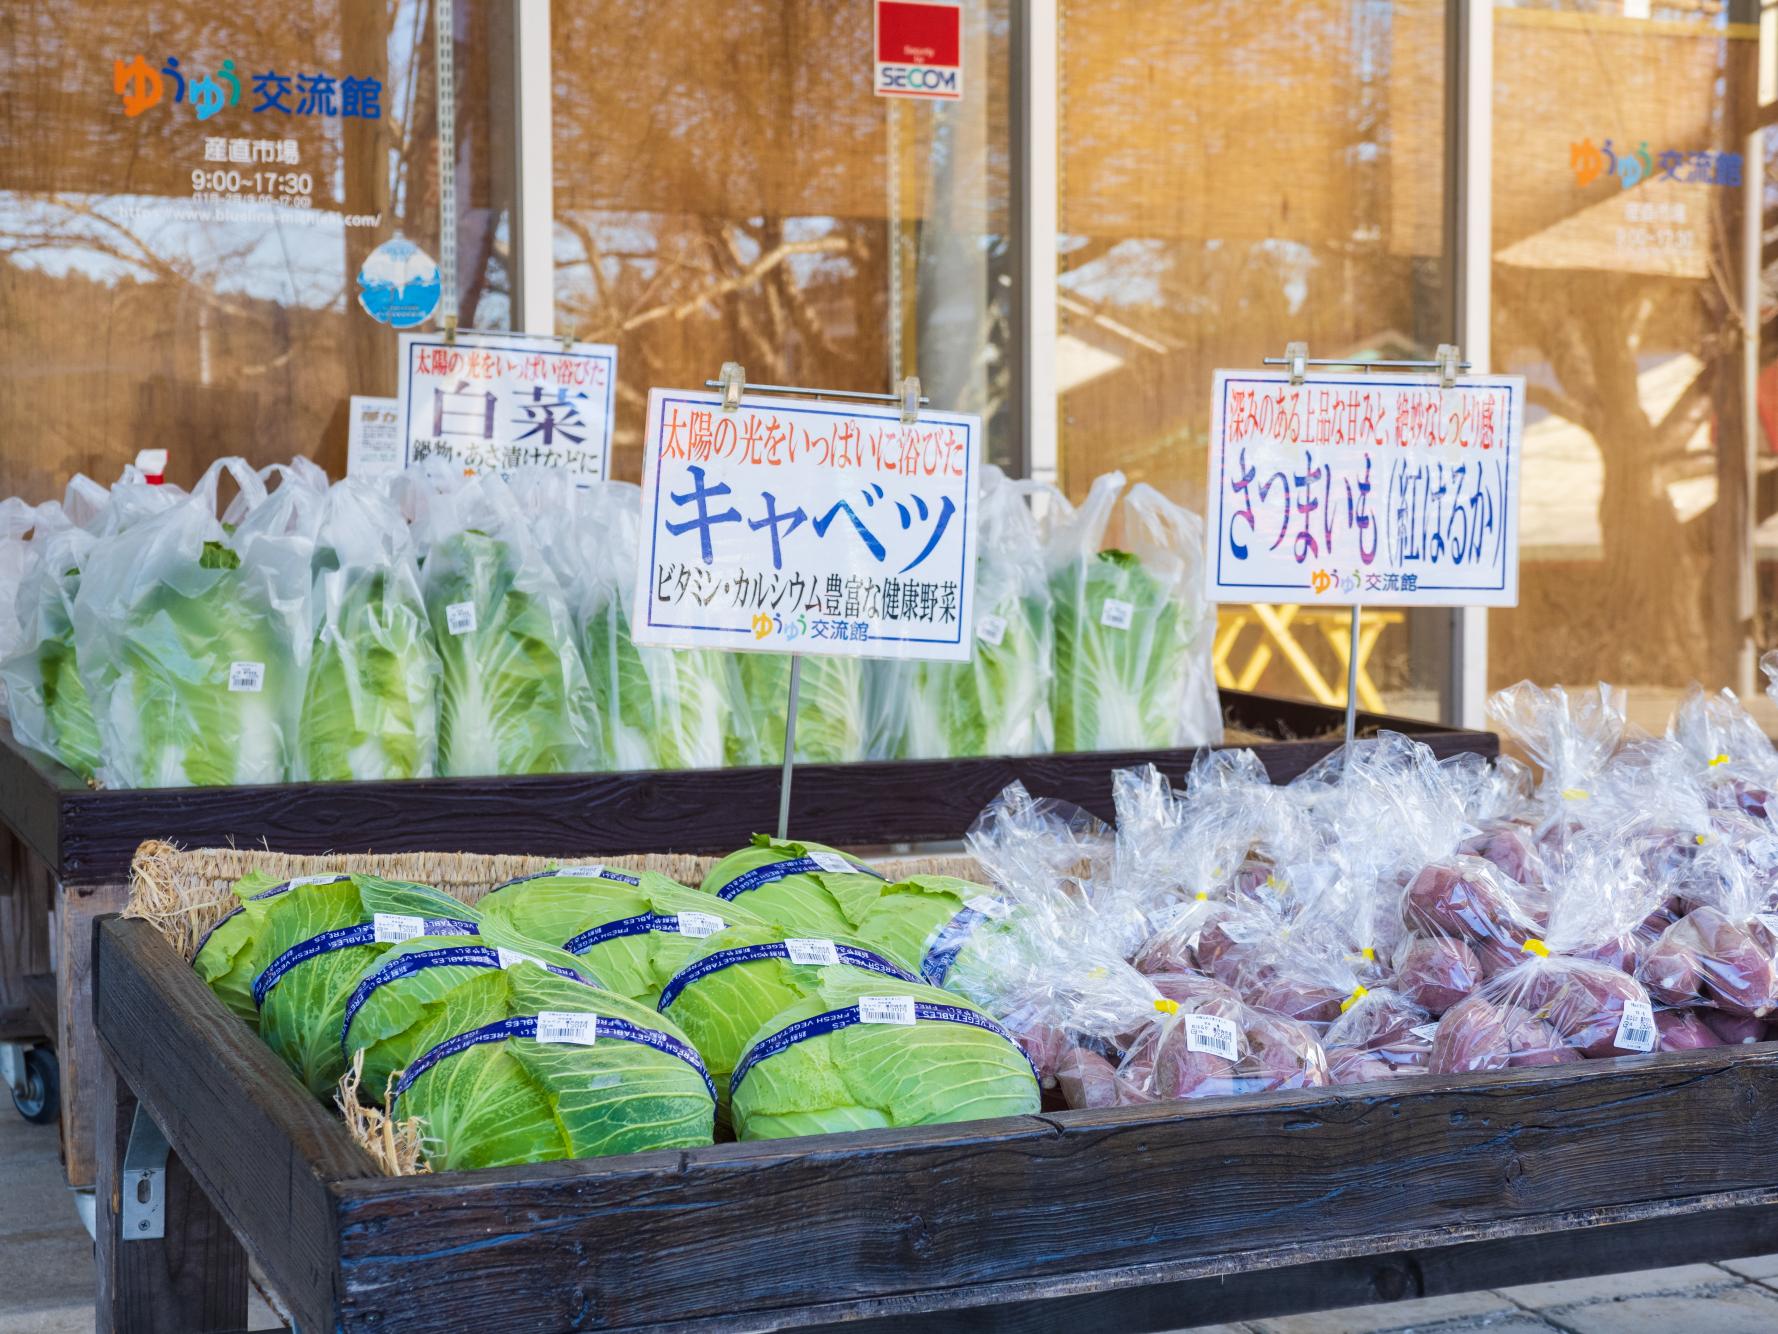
<point>496,402</point>
<point>1373,489</point>
<point>806,527</point>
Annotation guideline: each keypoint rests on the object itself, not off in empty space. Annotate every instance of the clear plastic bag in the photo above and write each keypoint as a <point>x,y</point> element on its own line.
<point>1571,739</point>
<point>370,705</point>
<point>193,638</point>
<point>513,696</point>
<point>1723,951</point>
<point>1730,755</point>
<point>1133,631</point>
<point>997,703</point>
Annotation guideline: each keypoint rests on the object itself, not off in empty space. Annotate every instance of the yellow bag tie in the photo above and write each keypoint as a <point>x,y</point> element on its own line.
<point>1166,1006</point>
<point>1537,947</point>
<point>1358,994</point>
<point>1370,955</point>
<point>1700,839</point>
<point>1720,759</point>
<point>1202,896</point>
<point>1575,794</point>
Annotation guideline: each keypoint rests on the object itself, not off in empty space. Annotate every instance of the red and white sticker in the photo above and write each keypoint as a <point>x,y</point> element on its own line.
<point>919,46</point>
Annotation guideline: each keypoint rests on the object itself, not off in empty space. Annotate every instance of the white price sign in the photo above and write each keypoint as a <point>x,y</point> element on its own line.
<point>1380,490</point>
<point>800,527</point>
<point>495,402</point>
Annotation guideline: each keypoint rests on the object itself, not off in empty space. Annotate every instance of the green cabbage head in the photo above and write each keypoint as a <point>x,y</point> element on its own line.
<point>808,888</point>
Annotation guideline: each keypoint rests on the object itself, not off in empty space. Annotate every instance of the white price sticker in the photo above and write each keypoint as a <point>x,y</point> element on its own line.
<point>331,878</point>
<point>832,861</point>
<point>1637,1031</point>
<point>589,872</point>
<point>512,958</point>
<point>991,630</point>
<point>886,1010</point>
<point>392,928</point>
<point>700,924</point>
<point>819,952</point>
<point>460,618</point>
<point>1207,1033</point>
<point>1116,614</point>
<point>570,1026</point>
<point>246,677</point>
<point>1425,1032</point>
<point>988,906</point>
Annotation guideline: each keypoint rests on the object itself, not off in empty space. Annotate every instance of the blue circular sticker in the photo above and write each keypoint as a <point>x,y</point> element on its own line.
<point>398,284</point>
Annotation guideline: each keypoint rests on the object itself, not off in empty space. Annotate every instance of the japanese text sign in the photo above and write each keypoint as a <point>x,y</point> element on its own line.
<point>919,45</point>
<point>1374,489</point>
<point>495,402</point>
<point>805,527</point>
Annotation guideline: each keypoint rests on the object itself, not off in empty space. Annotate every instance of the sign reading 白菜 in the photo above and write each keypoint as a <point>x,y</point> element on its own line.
<point>495,402</point>
<point>806,527</point>
<point>1373,489</point>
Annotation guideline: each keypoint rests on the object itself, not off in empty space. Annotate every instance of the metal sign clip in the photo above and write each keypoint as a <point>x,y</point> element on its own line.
<point>1447,365</point>
<point>733,380</point>
<point>910,400</point>
<point>1296,356</point>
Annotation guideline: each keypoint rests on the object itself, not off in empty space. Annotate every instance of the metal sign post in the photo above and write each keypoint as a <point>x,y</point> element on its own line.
<point>733,383</point>
<point>1297,360</point>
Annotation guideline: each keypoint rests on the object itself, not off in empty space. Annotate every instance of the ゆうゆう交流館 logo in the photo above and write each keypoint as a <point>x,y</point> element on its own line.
<point>141,86</point>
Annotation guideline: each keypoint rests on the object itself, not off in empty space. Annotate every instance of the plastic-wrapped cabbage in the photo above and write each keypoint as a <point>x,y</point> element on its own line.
<point>513,696</point>
<point>929,924</point>
<point>50,709</point>
<point>520,1065</point>
<point>832,709</point>
<point>658,708</point>
<point>997,703</point>
<point>859,1053</point>
<point>312,943</point>
<point>17,519</point>
<point>740,978</point>
<point>193,640</point>
<point>808,888</point>
<point>399,996</point>
<point>1132,663</point>
<point>633,931</point>
<point>370,705</point>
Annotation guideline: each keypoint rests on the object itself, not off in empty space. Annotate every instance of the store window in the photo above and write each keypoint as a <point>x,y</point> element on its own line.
<point>1226,186</point>
<point>189,193</point>
<point>728,188</point>
<point>1620,291</point>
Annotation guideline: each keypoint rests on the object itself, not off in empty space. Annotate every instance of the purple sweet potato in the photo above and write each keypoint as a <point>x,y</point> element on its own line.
<point>1180,1072</point>
<point>1471,1036</point>
<point>1281,1054</point>
<point>1734,1030</point>
<point>1585,1005</point>
<point>1167,951</point>
<point>1533,1041</point>
<point>1683,1030</point>
<point>1672,969</point>
<point>1352,1065</point>
<point>1193,989</point>
<point>1464,897</point>
<point>1045,1044</point>
<point>1508,846</point>
<point>1736,963</point>
<point>1303,1001</point>
<point>1087,1079</point>
<point>1435,972</point>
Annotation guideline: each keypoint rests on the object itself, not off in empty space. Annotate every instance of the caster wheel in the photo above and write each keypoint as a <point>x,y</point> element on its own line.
<point>40,1102</point>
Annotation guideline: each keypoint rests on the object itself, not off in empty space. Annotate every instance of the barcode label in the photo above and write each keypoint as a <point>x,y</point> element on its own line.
<point>331,878</point>
<point>832,861</point>
<point>700,924</point>
<point>1637,1031</point>
<point>393,928</point>
<point>567,1026</point>
<point>460,617</point>
<point>512,958</point>
<point>1425,1032</point>
<point>1207,1033</point>
<point>592,872</point>
<point>886,1010</point>
<point>820,952</point>
<point>991,630</point>
<point>248,677</point>
<point>987,905</point>
<point>1115,614</point>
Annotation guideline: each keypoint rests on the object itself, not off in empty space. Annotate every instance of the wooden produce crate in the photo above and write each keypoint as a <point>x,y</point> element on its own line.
<point>1138,1218</point>
<point>65,848</point>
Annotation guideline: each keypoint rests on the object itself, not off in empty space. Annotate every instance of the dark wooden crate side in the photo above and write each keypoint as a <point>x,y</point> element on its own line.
<point>250,1135</point>
<point>1043,1206</point>
<point>88,836</point>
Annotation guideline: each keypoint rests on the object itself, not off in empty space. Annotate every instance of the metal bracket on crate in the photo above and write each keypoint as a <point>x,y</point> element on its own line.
<point>142,1208</point>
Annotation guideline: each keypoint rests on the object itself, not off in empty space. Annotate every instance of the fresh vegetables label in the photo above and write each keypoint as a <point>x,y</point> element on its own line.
<point>460,618</point>
<point>1116,614</point>
<point>700,924</point>
<point>791,526</point>
<point>246,677</point>
<point>1637,1030</point>
<point>886,1010</point>
<point>821,953</point>
<point>568,1026</point>
<point>991,630</point>
<point>1207,1033</point>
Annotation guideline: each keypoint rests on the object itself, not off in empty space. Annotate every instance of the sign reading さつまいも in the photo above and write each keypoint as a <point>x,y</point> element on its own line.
<point>806,527</point>
<point>1373,489</point>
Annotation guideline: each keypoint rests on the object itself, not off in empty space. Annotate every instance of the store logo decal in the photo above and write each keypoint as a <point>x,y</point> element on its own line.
<point>141,86</point>
<point>1590,161</point>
